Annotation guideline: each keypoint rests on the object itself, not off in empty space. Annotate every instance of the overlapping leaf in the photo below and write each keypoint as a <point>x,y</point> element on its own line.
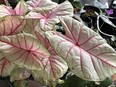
<point>19,73</point>
<point>55,67</point>
<point>21,8</point>
<point>40,5</point>
<point>87,54</point>
<point>5,67</point>
<point>50,17</point>
<point>24,50</point>
<point>11,25</point>
<point>30,25</point>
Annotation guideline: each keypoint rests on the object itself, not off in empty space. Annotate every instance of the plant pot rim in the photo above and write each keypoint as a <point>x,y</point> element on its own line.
<point>99,30</point>
<point>98,10</point>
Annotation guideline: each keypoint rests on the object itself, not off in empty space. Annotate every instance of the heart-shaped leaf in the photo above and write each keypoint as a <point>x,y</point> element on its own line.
<point>24,50</point>
<point>40,5</point>
<point>19,73</point>
<point>87,55</point>
<point>49,18</point>
<point>11,25</point>
<point>5,67</point>
<point>21,8</point>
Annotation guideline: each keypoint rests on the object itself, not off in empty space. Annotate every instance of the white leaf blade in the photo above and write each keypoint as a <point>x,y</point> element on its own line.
<point>89,58</point>
<point>11,25</point>
<point>6,10</point>
<point>40,5</point>
<point>49,18</point>
<point>24,50</point>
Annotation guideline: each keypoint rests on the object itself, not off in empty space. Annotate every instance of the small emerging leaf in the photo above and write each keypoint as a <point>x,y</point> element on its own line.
<point>21,8</point>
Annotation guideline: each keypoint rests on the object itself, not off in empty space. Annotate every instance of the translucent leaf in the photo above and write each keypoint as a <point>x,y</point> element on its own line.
<point>54,68</point>
<point>87,54</point>
<point>49,18</point>
<point>6,10</point>
<point>40,5</point>
<point>24,50</point>
<point>21,8</point>
<point>5,67</point>
<point>11,25</point>
<point>19,73</point>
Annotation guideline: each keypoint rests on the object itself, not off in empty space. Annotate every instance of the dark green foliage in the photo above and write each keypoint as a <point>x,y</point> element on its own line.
<point>76,4</point>
<point>74,81</point>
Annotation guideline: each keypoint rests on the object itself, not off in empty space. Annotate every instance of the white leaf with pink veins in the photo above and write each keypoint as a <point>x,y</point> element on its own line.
<point>86,53</point>
<point>19,10</point>
<point>50,17</point>
<point>40,5</point>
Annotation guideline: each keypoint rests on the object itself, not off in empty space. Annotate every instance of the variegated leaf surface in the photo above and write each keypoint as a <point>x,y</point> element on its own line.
<point>6,10</point>
<point>40,5</point>
<point>11,25</point>
<point>86,53</point>
<point>24,50</point>
<point>21,8</point>
<point>50,17</point>
<point>30,26</point>
<point>55,67</point>
<point>19,73</point>
<point>5,67</point>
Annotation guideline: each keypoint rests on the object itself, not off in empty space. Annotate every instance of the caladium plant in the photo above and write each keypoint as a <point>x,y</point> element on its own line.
<point>31,46</point>
<point>86,53</point>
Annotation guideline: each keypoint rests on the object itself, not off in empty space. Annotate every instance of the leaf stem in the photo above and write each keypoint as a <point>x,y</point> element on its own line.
<point>8,82</point>
<point>6,2</point>
<point>111,4</point>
